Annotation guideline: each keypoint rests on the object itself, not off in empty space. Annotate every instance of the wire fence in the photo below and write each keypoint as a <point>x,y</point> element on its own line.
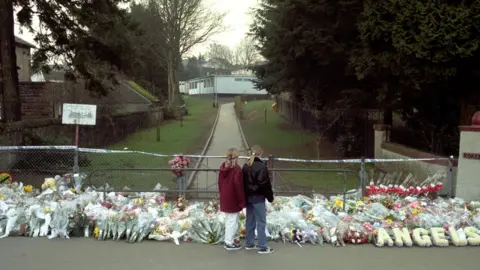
<point>125,170</point>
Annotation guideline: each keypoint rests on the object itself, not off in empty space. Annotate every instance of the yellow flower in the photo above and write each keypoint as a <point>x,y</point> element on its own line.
<point>47,210</point>
<point>73,190</point>
<point>415,211</point>
<point>338,203</point>
<point>96,231</point>
<point>28,189</point>
<point>165,204</point>
<point>389,221</point>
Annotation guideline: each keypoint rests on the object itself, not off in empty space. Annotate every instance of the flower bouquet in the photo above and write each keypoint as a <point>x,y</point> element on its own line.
<point>275,225</point>
<point>12,220</point>
<point>160,230</point>
<point>166,229</point>
<point>181,203</point>
<point>178,163</point>
<point>141,228</point>
<point>207,230</point>
<point>130,221</point>
<point>212,207</point>
<point>77,222</point>
<point>59,226</point>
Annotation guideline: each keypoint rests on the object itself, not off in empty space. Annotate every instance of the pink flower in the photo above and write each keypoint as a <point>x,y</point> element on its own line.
<point>368,227</point>
<point>397,206</point>
<point>185,162</point>
<point>177,159</point>
<point>160,199</point>
<point>171,162</point>
<point>413,205</point>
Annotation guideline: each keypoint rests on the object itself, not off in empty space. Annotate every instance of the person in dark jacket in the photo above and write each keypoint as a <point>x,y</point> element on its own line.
<point>258,188</point>
<point>232,197</point>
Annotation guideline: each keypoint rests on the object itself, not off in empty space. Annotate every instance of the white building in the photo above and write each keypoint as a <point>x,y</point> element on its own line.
<point>182,87</point>
<point>223,85</point>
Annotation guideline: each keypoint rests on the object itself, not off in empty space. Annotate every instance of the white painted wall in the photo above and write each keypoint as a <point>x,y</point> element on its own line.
<point>232,85</point>
<point>468,178</point>
<point>182,87</point>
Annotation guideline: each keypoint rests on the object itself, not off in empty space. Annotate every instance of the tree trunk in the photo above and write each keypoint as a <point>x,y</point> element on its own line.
<point>9,91</point>
<point>173,91</point>
<point>387,116</point>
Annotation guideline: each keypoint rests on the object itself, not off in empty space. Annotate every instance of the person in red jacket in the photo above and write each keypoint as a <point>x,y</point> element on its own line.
<point>232,196</point>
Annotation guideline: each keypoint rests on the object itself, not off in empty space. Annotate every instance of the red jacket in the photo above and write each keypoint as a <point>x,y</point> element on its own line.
<point>231,188</point>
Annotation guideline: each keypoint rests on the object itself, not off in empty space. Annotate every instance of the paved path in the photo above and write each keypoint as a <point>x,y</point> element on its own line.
<point>226,135</point>
<point>81,254</point>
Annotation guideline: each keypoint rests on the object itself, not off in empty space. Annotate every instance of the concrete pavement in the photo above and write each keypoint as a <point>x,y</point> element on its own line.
<point>225,136</point>
<point>79,254</point>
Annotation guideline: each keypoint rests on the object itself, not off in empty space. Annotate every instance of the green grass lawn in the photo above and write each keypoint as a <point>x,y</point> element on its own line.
<point>188,139</point>
<point>281,139</point>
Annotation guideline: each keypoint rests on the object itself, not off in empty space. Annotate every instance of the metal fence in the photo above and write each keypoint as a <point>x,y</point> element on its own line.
<point>136,171</point>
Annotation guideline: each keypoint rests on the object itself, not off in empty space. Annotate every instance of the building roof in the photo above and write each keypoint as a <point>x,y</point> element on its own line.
<point>220,75</point>
<point>23,43</point>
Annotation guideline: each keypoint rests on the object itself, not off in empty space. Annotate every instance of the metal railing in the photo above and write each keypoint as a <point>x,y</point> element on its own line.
<point>126,170</point>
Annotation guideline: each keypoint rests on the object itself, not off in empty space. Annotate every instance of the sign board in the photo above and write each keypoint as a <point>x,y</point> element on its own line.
<point>79,114</point>
<point>475,156</point>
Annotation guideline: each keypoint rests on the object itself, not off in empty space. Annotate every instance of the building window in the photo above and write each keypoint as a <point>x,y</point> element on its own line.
<point>247,80</point>
<point>238,79</point>
<point>212,81</point>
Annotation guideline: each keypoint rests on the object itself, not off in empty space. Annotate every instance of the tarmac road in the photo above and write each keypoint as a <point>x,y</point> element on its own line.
<point>79,253</point>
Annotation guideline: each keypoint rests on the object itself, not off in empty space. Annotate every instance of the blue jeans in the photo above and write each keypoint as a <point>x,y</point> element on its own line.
<point>256,218</point>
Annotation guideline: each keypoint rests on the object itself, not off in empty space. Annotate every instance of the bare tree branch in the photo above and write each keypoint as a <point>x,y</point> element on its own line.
<point>185,24</point>
<point>220,56</point>
<point>246,53</point>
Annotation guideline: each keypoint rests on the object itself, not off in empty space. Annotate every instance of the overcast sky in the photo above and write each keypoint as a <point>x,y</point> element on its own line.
<point>237,20</point>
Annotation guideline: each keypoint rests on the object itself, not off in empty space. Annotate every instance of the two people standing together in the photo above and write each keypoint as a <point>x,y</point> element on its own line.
<point>247,187</point>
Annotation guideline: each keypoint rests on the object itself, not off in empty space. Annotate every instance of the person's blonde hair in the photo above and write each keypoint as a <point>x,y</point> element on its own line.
<point>255,151</point>
<point>232,156</point>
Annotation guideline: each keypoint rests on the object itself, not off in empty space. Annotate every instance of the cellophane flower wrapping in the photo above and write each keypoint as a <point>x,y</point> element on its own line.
<point>207,229</point>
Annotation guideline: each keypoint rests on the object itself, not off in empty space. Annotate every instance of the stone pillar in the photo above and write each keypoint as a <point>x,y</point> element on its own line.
<point>382,134</point>
<point>468,176</point>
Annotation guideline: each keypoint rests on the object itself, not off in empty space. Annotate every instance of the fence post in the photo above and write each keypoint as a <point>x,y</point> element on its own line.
<point>76,168</point>
<point>362,176</point>
<point>450,176</point>
<point>272,165</point>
